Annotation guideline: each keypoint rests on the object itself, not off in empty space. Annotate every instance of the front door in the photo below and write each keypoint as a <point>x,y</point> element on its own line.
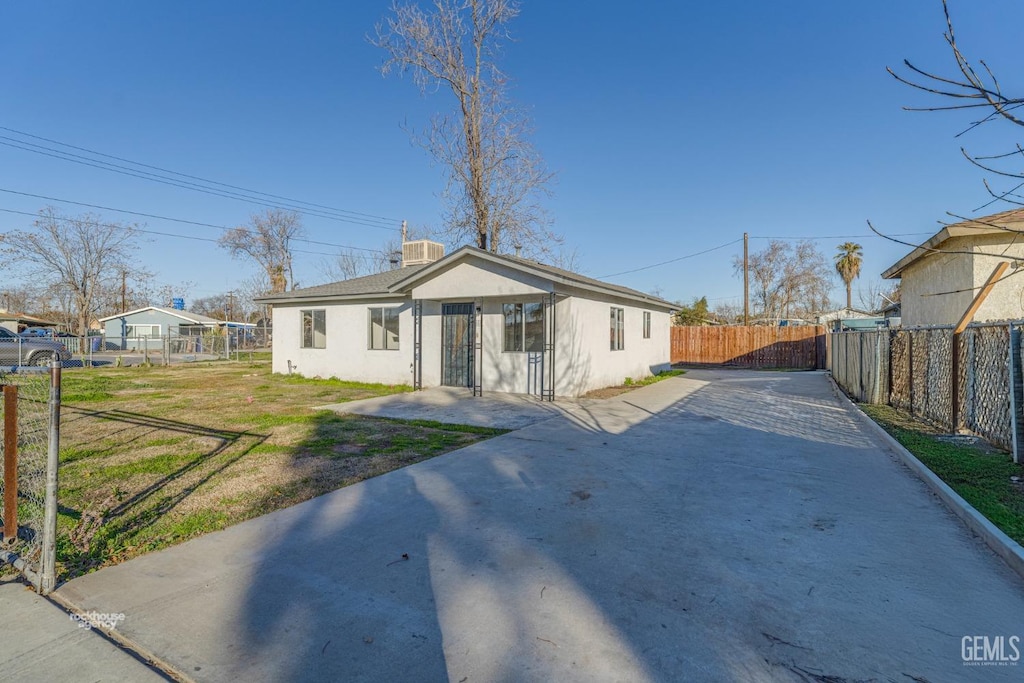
<point>457,336</point>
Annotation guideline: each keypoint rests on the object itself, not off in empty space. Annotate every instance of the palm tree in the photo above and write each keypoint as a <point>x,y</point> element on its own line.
<point>848,262</point>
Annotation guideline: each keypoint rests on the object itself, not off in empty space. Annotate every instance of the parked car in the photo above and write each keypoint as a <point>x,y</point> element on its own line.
<point>36,332</point>
<point>19,350</point>
<point>49,332</point>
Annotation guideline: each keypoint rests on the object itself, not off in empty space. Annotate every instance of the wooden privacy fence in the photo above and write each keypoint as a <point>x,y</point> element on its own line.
<point>752,347</point>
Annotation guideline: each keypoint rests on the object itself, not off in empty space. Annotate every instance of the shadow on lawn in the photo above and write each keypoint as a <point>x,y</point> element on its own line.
<point>143,508</point>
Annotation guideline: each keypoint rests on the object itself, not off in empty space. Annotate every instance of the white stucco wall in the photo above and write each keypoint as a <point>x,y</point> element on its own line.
<point>480,279</point>
<point>1006,300</point>
<point>345,355</point>
<point>931,275</point>
<point>584,357</point>
<point>924,282</point>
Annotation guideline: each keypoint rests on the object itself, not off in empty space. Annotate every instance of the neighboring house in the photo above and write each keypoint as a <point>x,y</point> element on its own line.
<point>841,314</point>
<point>146,328</point>
<point>892,313</point>
<point>472,319</point>
<point>939,279</point>
<point>850,319</point>
<point>16,322</point>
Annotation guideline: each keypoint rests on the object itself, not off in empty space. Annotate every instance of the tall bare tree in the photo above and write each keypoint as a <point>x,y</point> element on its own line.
<point>76,256</point>
<point>787,281</point>
<point>267,240</point>
<point>848,261</point>
<point>496,178</point>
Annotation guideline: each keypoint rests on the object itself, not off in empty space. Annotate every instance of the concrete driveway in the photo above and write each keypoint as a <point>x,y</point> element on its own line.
<point>725,525</point>
<point>452,405</point>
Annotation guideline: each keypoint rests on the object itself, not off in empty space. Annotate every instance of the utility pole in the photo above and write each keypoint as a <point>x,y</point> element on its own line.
<point>405,233</point>
<point>124,290</point>
<point>231,305</point>
<point>746,282</point>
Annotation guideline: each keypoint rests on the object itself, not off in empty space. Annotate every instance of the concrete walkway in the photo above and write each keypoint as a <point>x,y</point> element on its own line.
<point>722,526</point>
<point>40,642</point>
<point>451,405</point>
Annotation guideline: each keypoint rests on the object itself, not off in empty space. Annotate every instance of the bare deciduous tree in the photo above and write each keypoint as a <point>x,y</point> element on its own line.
<point>266,240</point>
<point>976,90</point>
<point>876,295</point>
<point>787,281</point>
<point>76,257</point>
<point>496,178</point>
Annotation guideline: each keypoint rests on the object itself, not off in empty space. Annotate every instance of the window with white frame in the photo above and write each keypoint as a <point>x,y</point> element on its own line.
<point>647,324</point>
<point>142,331</point>
<point>524,327</point>
<point>383,329</point>
<point>314,328</point>
<point>618,324</point>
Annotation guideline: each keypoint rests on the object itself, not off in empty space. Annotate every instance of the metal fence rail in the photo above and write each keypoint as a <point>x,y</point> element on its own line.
<point>912,370</point>
<point>30,446</point>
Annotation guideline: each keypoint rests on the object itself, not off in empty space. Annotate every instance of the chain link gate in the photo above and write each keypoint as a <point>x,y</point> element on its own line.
<point>30,446</point>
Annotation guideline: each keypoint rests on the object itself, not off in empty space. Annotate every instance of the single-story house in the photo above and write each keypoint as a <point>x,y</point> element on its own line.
<point>940,278</point>
<point>472,319</point>
<point>147,327</point>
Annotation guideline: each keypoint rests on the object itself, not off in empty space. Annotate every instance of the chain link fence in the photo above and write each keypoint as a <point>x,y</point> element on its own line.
<point>914,370</point>
<point>30,444</point>
<point>227,344</point>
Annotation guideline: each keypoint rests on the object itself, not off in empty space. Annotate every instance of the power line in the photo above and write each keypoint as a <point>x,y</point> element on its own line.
<point>837,237</point>
<point>178,220</point>
<point>191,186</point>
<point>663,263</point>
<point>193,177</point>
<point>145,175</point>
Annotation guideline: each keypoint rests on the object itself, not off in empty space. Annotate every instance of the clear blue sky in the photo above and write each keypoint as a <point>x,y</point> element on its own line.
<point>673,127</point>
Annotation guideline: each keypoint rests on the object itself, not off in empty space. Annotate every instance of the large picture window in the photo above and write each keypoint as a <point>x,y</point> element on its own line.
<point>647,324</point>
<point>142,331</point>
<point>524,327</point>
<point>314,328</point>
<point>618,324</point>
<point>383,329</point>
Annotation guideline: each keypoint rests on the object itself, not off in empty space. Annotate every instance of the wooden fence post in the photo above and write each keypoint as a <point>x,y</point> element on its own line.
<point>10,462</point>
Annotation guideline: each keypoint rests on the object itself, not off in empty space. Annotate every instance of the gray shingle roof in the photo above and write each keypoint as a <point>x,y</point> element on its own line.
<point>583,279</point>
<point>382,283</point>
<point>378,283</point>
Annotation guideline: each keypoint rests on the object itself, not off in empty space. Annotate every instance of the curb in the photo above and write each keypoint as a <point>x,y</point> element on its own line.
<point>1002,545</point>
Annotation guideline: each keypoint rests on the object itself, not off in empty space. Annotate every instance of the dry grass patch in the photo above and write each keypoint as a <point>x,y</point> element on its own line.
<point>154,456</point>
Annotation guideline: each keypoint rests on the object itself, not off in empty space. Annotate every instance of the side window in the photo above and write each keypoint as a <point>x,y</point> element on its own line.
<point>524,327</point>
<point>382,331</point>
<point>314,328</point>
<point>647,324</point>
<point>617,328</point>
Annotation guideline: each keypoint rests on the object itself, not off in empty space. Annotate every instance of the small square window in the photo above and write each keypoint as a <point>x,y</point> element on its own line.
<point>524,327</point>
<point>383,329</point>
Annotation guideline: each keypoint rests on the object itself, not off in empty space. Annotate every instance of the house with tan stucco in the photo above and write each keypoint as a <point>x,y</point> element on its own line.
<point>473,319</point>
<point>940,278</point>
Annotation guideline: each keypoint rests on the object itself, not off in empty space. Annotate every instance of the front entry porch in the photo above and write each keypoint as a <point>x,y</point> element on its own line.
<point>493,343</point>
